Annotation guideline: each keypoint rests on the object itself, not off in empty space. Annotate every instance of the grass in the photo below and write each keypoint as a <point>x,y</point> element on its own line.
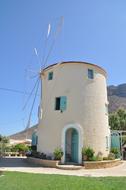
<point>26,181</point>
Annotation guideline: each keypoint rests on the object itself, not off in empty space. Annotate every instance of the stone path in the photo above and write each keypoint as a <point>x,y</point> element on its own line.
<point>20,164</point>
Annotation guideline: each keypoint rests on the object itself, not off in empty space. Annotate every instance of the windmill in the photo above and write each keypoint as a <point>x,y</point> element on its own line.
<point>42,65</point>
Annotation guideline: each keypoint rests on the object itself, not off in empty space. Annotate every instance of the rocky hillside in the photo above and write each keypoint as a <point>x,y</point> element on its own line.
<point>26,134</point>
<point>117,97</point>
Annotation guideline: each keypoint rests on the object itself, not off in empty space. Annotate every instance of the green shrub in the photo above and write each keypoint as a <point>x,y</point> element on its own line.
<point>58,153</point>
<point>94,158</point>
<point>22,148</point>
<point>99,158</point>
<point>88,153</point>
<point>111,156</point>
<point>115,151</point>
<point>105,158</point>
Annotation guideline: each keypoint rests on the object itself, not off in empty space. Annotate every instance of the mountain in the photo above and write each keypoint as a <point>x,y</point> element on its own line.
<point>116,97</point>
<point>25,134</point>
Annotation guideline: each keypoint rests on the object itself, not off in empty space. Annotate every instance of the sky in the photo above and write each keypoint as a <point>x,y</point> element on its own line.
<point>93,31</point>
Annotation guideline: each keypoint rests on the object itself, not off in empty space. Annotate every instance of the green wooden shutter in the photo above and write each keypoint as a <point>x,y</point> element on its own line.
<point>63,103</point>
<point>34,138</point>
<point>50,75</point>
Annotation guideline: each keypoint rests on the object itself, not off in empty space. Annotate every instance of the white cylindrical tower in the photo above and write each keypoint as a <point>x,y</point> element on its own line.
<point>74,104</point>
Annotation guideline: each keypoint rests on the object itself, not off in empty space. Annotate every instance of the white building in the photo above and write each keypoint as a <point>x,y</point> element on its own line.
<point>74,104</point>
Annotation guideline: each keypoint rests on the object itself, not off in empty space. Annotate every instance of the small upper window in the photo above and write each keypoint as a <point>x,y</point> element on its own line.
<point>90,74</point>
<point>50,75</point>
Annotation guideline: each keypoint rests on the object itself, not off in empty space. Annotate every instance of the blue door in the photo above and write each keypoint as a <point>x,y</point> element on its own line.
<point>74,146</point>
<point>116,142</point>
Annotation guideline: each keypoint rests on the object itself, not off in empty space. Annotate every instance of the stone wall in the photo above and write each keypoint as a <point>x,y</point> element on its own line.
<point>101,164</point>
<point>45,163</point>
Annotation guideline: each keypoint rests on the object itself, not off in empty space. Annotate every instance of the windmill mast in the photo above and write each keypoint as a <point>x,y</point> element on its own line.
<point>42,65</point>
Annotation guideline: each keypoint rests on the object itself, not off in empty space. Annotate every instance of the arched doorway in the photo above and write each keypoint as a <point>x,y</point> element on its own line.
<point>71,145</point>
<point>72,134</point>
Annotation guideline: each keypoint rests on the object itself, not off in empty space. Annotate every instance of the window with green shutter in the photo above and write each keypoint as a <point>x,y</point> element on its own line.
<point>90,74</point>
<point>50,75</point>
<point>61,103</point>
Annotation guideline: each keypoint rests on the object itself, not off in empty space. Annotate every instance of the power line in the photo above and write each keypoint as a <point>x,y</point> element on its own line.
<point>30,94</point>
<point>11,123</point>
<point>13,90</point>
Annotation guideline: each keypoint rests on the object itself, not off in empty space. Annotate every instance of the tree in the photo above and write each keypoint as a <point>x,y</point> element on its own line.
<point>0,138</point>
<point>117,120</point>
<point>21,147</point>
<point>114,121</point>
<point>3,144</point>
<point>5,140</point>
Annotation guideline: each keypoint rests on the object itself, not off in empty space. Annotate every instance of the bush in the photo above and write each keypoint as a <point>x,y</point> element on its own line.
<point>105,158</point>
<point>115,151</point>
<point>36,154</point>
<point>88,153</point>
<point>34,148</point>
<point>94,158</point>
<point>43,156</point>
<point>99,158</point>
<point>58,153</point>
<point>33,154</point>
<point>20,148</point>
<point>111,156</point>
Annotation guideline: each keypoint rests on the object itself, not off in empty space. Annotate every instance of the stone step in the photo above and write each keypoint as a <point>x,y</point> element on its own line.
<point>69,167</point>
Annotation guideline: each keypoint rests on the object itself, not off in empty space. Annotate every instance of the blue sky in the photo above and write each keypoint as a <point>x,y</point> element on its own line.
<point>93,31</point>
